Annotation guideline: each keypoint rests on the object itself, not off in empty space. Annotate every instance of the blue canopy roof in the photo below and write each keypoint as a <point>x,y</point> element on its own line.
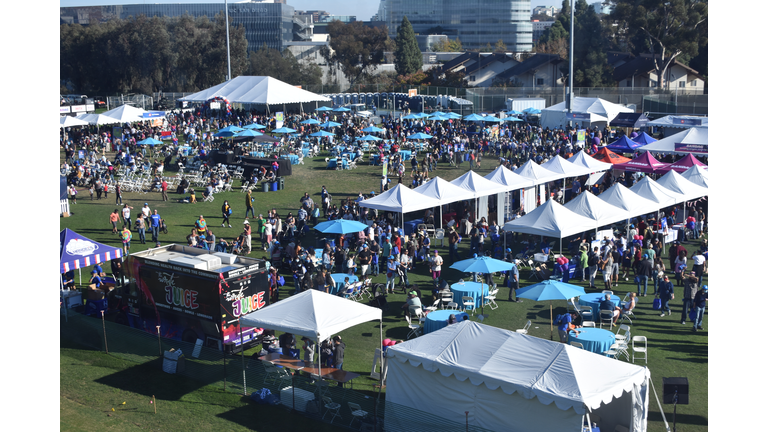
<point>623,145</point>
<point>76,251</point>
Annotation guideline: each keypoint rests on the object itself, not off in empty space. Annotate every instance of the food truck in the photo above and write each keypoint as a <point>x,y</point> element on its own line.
<point>192,294</point>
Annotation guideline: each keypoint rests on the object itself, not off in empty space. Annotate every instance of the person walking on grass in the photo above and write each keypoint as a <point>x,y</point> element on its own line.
<point>113,218</point>
<point>126,236</point>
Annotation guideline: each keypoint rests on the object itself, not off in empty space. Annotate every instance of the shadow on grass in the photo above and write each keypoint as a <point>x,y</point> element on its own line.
<point>267,417</point>
<point>682,419</point>
<point>154,381</point>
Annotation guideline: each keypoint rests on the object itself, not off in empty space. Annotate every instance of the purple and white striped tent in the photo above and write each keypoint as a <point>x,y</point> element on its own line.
<point>77,252</point>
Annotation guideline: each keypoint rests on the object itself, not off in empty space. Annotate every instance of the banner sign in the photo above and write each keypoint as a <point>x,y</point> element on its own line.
<point>215,105</point>
<point>64,110</point>
<point>577,116</point>
<point>691,148</point>
<point>166,134</point>
<point>413,92</point>
<point>581,137</point>
<point>153,114</point>
<point>78,108</point>
<point>686,121</point>
<point>279,118</point>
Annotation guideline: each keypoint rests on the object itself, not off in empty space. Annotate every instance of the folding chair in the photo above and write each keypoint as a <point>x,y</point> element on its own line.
<point>415,329</point>
<point>577,344</point>
<point>357,413</point>
<point>524,330</point>
<point>490,299</point>
<point>587,324</point>
<point>446,297</point>
<point>276,373</point>
<point>332,407</point>
<point>606,315</point>
<point>622,334</point>
<point>468,302</point>
<point>434,306</point>
<point>640,349</point>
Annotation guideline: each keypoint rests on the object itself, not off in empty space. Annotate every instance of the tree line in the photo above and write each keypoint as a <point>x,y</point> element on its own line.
<point>179,54</point>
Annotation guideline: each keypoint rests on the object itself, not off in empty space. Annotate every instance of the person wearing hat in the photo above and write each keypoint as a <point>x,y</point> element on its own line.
<point>699,304</point>
<point>338,353</point>
<point>391,273</point>
<point>309,350</point>
<point>364,257</point>
<point>453,245</point>
<point>95,279</point>
<point>643,271</point>
<point>145,210</point>
<point>690,288</point>
<point>221,246</point>
<point>247,237</point>
<point>410,305</point>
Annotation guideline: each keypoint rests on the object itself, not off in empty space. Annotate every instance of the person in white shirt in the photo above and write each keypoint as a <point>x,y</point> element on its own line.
<point>146,211</point>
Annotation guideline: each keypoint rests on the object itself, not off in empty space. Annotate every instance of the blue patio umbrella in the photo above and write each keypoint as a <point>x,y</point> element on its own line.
<point>310,121</point>
<point>514,112</point>
<point>369,138</point>
<point>550,290</point>
<point>495,119</point>
<point>511,119</point>
<point>255,126</point>
<point>438,117</point>
<point>438,113</point>
<point>418,136</point>
<point>412,116</point>
<point>370,129</point>
<point>340,226</point>
<point>342,109</point>
<point>532,110</point>
<point>284,130</point>
<point>324,108</point>
<point>474,117</point>
<point>149,141</point>
<point>225,134</point>
<point>483,264</point>
<point>248,133</point>
<point>329,124</point>
<point>454,115</point>
<point>231,129</point>
<point>321,133</point>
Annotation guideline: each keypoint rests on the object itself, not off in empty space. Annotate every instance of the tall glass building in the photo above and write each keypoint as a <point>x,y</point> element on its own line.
<point>264,23</point>
<point>475,22</point>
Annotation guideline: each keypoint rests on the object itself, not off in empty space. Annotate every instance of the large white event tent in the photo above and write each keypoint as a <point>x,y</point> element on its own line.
<point>445,192</point>
<point>69,121</point>
<point>400,199</point>
<point>481,188</point>
<point>600,112</point>
<point>587,204</point>
<point>677,183</point>
<point>568,169</point>
<point>127,113</point>
<point>697,175</point>
<point>551,220</point>
<point>653,191</point>
<point>257,90</point>
<point>314,314</point>
<point>694,140</point>
<point>676,121</point>
<point>540,176</point>
<point>510,382</point>
<point>619,196</point>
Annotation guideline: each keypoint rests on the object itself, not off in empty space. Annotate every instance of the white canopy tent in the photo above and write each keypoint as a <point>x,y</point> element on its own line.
<point>511,382</point>
<point>97,119</point>
<point>585,160</point>
<point>677,183</point>
<point>513,181</point>
<point>551,220</point>
<point>600,111</point>
<point>314,314</point>
<point>445,192</point>
<point>481,188</point>
<point>697,175</point>
<point>619,196</point>
<point>537,173</point>
<point>69,121</point>
<point>127,113</point>
<point>587,204</point>
<point>653,191</point>
<point>257,90</point>
<point>400,199</point>
<point>568,169</point>
<point>677,121</point>
<point>695,140</point>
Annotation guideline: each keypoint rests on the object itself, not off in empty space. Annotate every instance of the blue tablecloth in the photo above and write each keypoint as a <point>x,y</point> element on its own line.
<point>593,300</point>
<point>406,154</point>
<point>470,289</point>
<point>331,163</point>
<point>410,226</point>
<point>338,278</point>
<point>595,340</point>
<point>376,159</point>
<point>291,157</point>
<point>257,154</point>
<point>439,319</point>
<point>305,151</point>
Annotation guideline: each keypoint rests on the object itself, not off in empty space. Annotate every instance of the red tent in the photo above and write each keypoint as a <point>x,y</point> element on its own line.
<point>683,164</point>
<point>644,163</point>
<point>607,156</point>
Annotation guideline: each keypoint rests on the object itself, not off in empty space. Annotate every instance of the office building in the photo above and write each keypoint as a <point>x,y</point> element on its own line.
<point>266,22</point>
<point>476,23</point>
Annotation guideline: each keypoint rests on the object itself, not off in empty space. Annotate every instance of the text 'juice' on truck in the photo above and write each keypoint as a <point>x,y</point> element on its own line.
<point>193,294</point>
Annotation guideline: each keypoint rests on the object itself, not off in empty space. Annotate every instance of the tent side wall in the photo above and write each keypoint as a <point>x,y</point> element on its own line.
<point>449,398</point>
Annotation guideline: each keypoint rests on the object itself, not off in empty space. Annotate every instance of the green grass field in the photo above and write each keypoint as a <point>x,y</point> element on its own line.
<point>674,350</point>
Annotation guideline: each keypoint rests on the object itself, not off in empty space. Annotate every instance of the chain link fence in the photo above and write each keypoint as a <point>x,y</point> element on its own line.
<point>245,375</point>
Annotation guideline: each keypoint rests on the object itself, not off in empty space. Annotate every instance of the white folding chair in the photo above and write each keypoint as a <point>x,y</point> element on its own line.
<point>446,297</point>
<point>434,306</point>
<point>524,330</point>
<point>332,407</point>
<point>276,373</point>
<point>415,329</point>
<point>622,334</point>
<point>588,324</point>
<point>452,305</point>
<point>637,349</point>
<point>577,344</point>
<point>490,299</point>
<point>612,351</point>
<point>606,316</point>
<point>468,302</point>
<point>357,413</point>
<point>608,292</point>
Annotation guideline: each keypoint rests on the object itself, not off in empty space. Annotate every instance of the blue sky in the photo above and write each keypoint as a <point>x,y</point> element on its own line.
<point>362,9</point>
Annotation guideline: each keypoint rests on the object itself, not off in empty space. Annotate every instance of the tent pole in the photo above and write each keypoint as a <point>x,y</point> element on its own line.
<point>242,356</point>
<point>551,325</point>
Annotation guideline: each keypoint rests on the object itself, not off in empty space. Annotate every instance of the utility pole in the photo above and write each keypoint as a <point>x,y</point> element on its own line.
<point>569,102</point>
<point>226,22</point>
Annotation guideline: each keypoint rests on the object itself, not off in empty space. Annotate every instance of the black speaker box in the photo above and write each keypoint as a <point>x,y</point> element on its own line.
<point>676,384</point>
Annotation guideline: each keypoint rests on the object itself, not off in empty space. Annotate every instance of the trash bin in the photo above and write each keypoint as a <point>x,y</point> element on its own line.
<point>265,187</point>
<point>274,186</point>
<point>282,183</point>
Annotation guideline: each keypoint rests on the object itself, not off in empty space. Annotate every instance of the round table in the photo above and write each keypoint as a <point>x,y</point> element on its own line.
<point>438,319</point>
<point>593,300</point>
<point>469,289</point>
<point>595,340</point>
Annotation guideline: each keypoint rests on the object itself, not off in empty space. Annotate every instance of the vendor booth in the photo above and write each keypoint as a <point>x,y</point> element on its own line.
<point>597,113</point>
<point>694,140</point>
<point>500,380</point>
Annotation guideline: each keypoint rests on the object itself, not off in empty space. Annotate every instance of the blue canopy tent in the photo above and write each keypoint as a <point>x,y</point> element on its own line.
<point>623,145</point>
<point>76,252</point>
<point>643,138</point>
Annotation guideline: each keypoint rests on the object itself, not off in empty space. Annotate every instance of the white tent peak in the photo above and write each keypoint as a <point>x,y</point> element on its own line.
<point>552,220</point>
<point>585,160</point>
<point>400,199</point>
<point>478,184</point>
<point>563,166</point>
<point>126,113</point>
<point>314,314</point>
<point>587,204</point>
<point>653,191</point>
<point>97,119</point>
<point>698,136</point>
<point>444,191</point>
<point>677,183</point>
<point>620,196</point>
<point>697,175</point>
<point>256,90</point>
<point>505,176</point>
<point>537,173</point>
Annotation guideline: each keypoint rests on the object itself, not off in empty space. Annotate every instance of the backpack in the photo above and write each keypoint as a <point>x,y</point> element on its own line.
<point>592,259</point>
